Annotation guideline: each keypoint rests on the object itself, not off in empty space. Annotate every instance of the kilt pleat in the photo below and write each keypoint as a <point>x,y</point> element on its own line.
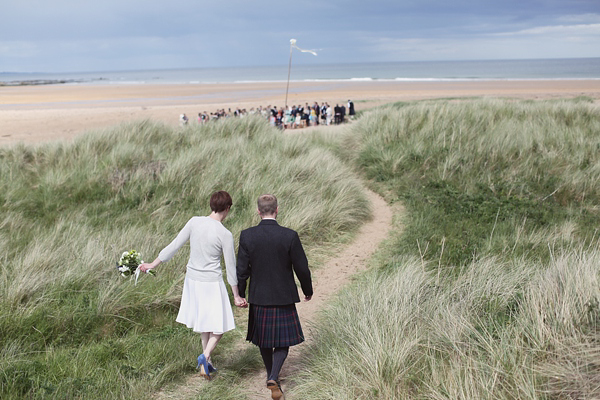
<point>274,326</point>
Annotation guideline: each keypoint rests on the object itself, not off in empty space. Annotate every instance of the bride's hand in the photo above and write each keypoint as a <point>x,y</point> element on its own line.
<point>145,267</point>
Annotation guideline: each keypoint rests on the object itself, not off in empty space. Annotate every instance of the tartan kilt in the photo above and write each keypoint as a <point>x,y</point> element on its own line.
<point>274,326</point>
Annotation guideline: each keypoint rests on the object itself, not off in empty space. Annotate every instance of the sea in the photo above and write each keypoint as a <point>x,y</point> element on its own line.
<point>413,71</point>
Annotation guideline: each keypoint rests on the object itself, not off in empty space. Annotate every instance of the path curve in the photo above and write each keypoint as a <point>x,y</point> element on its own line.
<point>327,281</point>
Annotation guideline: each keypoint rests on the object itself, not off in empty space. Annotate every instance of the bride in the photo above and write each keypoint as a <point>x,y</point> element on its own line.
<point>205,306</point>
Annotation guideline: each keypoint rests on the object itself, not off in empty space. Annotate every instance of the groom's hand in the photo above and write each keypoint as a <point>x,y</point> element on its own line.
<point>307,298</point>
<point>240,302</point>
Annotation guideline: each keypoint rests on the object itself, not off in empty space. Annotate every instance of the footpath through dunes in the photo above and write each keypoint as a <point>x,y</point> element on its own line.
<point>327,281</point>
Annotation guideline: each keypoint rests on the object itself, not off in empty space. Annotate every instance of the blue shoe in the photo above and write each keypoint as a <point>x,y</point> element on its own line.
<point>203,366</point>
<point>211,369</point>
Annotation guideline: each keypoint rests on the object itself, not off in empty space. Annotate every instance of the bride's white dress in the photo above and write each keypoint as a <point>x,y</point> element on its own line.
<point>205,304</point>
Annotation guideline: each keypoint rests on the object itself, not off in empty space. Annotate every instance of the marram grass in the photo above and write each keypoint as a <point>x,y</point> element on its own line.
<point>491,288</point>
<point>71,326</point>
<point>500,330</point>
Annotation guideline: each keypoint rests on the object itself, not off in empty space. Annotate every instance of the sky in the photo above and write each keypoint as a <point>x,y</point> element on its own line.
<point>117,35</point>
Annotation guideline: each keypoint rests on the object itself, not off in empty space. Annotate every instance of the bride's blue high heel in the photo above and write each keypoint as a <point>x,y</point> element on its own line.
<point>211,369</point>
<point>203,365</point>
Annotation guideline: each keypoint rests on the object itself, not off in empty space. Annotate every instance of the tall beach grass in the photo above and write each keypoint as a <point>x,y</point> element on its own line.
<point>501,330</point>
<point>491,288</point>
<point>70,326</point>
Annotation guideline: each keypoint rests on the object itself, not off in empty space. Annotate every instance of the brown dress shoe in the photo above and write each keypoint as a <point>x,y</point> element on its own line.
<point>276,392</point>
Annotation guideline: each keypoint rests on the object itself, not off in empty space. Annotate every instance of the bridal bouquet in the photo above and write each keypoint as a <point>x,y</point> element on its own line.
<point>129,262</point>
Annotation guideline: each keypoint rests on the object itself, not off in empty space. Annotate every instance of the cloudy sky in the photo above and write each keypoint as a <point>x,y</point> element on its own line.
<point>104,35</point>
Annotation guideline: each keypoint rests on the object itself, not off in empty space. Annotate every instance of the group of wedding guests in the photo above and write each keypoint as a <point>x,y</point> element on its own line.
<point>268,257</point>
<point>303,116</point>
<point>290,117</point>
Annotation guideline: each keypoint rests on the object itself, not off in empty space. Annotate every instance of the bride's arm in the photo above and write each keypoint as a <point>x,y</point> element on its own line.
<point>168,252</point>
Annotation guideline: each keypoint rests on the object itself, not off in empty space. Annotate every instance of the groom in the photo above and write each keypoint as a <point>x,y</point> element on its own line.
<point>269,254</point>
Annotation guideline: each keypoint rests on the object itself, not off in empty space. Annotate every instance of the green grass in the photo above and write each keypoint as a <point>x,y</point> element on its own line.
<point>491,288</point>
<point>70,326</point>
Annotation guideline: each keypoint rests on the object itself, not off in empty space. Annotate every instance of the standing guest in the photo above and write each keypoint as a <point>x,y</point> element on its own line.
<point>314,119</point>
<point>269,255</point>
<point>183,120</point>
<point>351,111</point>
<point>342,113</point>
<point>205,306</point>
<point>299,115</point>
<point>294,116</point>
<point>329,114</point>
<point>287,119</point>
<point>279,118</point>
<point>338,112</point>
<point>307,111</point>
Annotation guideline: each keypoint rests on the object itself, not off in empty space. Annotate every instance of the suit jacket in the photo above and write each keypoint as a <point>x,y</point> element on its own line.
<point>269,254</point>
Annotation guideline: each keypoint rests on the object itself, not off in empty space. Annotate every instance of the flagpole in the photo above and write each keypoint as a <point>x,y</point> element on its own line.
<point>288,79</point>
<point>292,45</point>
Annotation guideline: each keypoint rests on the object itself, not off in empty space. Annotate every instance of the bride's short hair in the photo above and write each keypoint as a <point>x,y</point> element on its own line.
<point>267,204</point>
<point>220,201</point>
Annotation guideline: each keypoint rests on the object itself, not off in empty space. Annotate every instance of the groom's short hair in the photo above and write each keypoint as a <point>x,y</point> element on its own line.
<point>220,201</point>
<point>267,204</point>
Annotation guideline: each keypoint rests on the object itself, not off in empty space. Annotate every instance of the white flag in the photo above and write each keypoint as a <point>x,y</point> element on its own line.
<point>293,43</point>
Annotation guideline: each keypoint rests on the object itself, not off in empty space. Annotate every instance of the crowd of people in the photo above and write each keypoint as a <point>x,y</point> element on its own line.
<point>290,117</point>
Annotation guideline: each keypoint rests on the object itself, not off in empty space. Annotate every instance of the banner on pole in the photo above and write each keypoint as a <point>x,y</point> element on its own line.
<point>293,43</point>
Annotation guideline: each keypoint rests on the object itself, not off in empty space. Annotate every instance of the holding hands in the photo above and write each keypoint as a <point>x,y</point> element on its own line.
<point>240,301</point>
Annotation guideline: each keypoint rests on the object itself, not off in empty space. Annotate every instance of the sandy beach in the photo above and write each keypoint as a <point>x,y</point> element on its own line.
<point>35,114</point>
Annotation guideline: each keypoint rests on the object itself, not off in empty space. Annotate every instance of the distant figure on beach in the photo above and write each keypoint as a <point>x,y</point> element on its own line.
<point>317,111</point>
<point>183,120</point>
<point>269,255</point>
<point>205,306</point>
<point>337,114</point>
<point>351,111</point>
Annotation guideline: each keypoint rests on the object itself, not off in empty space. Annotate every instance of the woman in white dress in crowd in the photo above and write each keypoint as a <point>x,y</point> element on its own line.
<point>205,306</point>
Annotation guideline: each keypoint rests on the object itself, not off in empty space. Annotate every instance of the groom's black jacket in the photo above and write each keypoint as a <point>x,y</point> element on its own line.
<point>269,254</point>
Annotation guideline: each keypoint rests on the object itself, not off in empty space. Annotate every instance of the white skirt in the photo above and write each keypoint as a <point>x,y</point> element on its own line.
<point>205,307</point>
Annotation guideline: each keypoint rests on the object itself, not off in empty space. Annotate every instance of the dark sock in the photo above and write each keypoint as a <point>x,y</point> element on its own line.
<point>267,356</point>
<point>279,356</point>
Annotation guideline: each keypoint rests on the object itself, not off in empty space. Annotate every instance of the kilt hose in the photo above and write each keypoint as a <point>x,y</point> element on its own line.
<point>274,326</point>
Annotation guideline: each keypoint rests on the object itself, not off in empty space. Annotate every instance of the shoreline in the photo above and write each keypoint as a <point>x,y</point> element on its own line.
<point>39,113</point>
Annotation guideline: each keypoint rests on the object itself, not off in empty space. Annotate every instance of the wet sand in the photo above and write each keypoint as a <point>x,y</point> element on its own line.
<point>34,114</point>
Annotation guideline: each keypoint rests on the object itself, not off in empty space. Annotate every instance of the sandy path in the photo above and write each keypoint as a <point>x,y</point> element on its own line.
<point>327,281</point>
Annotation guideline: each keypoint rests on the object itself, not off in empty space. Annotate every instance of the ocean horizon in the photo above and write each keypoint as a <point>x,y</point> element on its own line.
<point>409,71</point>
